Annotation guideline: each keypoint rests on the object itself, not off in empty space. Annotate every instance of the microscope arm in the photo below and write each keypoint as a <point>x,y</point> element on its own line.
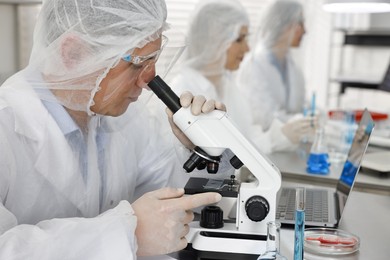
<point>214,132</point>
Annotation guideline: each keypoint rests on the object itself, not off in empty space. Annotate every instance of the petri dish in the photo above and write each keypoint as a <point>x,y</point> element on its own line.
<point>328,241</point>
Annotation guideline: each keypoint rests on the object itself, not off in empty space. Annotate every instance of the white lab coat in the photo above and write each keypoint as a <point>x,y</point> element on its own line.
<point>47,210</point>
<point>262,86</point>
<point>266,141</point>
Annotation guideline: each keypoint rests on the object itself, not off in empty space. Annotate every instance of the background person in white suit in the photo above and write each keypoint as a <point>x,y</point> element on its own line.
<point>269,79</point>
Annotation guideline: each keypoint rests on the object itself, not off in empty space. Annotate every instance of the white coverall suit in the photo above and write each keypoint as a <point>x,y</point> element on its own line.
<point>48,209</point>
<point>268,96</point>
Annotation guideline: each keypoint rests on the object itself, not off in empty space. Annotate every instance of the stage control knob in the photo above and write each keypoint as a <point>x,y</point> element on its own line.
<point>257,208</point>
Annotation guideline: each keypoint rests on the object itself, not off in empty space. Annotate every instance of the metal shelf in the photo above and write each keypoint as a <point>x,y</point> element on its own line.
<point>364,39</point>
<point>367,40</point>
<point>350,84</point>
<point>374,39</point>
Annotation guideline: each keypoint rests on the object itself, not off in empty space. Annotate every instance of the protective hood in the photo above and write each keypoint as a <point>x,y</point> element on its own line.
<point>278,24</point>
<point>77,42</point>
<point>207,49</point>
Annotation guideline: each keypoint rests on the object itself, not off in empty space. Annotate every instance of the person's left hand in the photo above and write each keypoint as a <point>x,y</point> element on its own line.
<point>199,105</point>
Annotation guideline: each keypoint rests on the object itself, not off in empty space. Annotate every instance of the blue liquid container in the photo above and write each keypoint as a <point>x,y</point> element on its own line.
<point>299,234</point>
<point>318,163</point>
<point>299,223</point>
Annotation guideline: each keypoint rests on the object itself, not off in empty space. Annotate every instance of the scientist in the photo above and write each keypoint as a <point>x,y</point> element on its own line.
<point>222,26</point>
<point>268,78</point>
<point>76,147</point>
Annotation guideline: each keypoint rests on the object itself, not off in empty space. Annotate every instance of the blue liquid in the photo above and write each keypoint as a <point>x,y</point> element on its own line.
<point>299,234</point>
<point>349,173</point>
<point>318,163</point>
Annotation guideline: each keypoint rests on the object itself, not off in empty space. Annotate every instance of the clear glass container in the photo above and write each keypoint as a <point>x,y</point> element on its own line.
<point>328,241</point>
<point>318,161</point>
<point>273,243</point>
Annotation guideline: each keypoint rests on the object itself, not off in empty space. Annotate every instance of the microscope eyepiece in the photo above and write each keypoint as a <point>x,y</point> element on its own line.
<point>165,93</point>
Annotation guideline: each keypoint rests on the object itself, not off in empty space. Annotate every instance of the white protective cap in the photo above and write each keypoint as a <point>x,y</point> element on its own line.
<point>278,24</point>
<point>95,34</point>
<point>207,49</point>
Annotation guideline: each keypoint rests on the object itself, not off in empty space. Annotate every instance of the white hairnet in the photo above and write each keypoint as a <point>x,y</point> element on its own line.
<point>98,32</point>
<point>279,22</point>
<point>206,49</point>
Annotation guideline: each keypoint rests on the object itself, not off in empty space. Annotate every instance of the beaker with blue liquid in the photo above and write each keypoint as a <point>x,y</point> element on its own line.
<point>318,161</point>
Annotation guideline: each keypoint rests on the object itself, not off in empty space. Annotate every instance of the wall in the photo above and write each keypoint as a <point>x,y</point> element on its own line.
<point>27,16</point>
<point>315,57</point>
<point>16,30</point>
<point>8,47</point>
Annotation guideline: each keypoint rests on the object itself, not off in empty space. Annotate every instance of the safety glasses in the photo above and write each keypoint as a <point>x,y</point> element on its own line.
<point>137,60</point>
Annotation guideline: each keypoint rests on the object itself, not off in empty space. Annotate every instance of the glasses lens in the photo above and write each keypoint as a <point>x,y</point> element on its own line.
<point>148,71</point>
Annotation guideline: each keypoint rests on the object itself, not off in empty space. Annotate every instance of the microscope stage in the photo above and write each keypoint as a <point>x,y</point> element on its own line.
<point>224,187</point>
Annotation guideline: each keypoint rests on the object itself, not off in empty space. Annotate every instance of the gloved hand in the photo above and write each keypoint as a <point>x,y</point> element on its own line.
<point>162,219</point>
<point>199,105</point>
<point>295,129</point>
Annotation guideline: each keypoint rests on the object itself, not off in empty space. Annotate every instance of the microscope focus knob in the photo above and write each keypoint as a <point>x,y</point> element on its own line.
<point>211,217</point>
<point>257,208</point>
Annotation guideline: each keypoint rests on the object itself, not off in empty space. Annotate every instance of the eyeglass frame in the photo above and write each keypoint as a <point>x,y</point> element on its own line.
<point>138,59</point>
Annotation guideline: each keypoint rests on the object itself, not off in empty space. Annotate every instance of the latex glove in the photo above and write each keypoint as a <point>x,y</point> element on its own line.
<point>162,219</point>
<point>199,105</point>
<point>295,129</point>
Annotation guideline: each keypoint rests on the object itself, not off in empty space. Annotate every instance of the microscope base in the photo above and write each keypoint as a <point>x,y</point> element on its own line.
<point>226,241</point>
<point>207,255</point>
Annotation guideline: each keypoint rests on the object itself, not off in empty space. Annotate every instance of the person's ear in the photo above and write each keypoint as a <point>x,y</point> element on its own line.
<point>73,51</point>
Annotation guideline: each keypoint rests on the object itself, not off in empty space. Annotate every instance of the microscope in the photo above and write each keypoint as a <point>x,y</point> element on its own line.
<point>252,201</point>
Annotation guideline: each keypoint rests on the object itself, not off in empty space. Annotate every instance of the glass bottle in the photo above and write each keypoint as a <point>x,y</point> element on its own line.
<point>273,242</point>
<point>318,161</point>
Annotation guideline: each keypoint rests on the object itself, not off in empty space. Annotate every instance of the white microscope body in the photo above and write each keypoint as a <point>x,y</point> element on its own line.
<point>214,132</point>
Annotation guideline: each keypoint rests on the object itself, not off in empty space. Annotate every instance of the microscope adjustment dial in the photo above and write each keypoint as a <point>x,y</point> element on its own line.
<point>257,208</point>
